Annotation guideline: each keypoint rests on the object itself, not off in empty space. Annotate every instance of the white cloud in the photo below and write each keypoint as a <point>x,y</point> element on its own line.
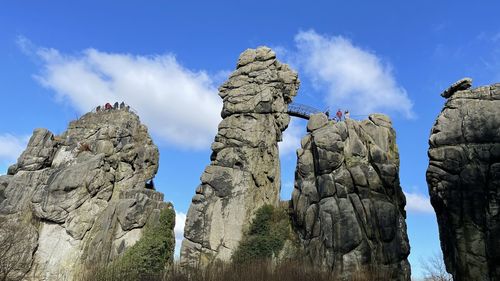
<point>179,105</point>
<point>11,147</point>
<point>418,203</point>
<point>180,221</point>
<point>291,138</point>
<point>352,77</point>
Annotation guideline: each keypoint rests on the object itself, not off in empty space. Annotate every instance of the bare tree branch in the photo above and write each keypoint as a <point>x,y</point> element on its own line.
<point>434,269</point>
<point>13,237</point>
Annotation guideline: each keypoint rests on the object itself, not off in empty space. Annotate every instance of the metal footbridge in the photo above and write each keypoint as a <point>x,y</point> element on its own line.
<point>303,111</point>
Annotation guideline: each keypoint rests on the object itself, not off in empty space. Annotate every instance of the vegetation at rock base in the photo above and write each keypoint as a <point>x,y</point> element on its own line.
<point>257,270</point>
<point>266,236</point>
<point>151,252</point>
<point>253,260</point>
<point>150,256</point>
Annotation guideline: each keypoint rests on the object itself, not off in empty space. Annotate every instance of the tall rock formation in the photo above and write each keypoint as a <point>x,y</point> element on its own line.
<point>244,173</point>
<point>81,197</point>
<point>464,180</point>
<point>347,201</point>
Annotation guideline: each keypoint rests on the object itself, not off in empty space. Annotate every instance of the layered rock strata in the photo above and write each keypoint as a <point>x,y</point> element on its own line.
<point>244,173</point>
<point>464,181</point>
<point>347,202</point>
<point>81,198</point>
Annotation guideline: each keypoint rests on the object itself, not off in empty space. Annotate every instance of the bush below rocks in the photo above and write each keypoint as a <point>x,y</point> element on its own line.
<point>268,232</point>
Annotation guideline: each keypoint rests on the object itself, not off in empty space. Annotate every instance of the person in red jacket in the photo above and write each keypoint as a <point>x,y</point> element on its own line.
<point>339,115</point>
<point>108,106</point>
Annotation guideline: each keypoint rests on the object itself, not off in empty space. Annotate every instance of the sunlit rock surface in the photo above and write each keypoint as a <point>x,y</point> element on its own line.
<point>244,173</point>
<point>81,197</point>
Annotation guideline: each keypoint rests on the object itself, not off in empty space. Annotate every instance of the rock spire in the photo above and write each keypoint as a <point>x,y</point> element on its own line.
<point>464,182</point>
<point>244,173</point>
<point>347,202</point>
<point>81,197</point>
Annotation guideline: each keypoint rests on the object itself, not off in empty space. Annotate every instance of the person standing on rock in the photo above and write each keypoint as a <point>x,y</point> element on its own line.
<point>108,106</point>
<point>347,115</point>
<point>339,115</point>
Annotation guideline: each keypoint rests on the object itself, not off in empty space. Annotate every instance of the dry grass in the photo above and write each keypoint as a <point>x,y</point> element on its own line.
<point>256,271</point>
<point>84,147</point>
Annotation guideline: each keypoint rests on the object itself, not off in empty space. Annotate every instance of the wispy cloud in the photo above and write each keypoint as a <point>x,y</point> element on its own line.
<point>439,27</point>
<point>180,221</point>
<point>418,203</point>
<point>353,78</point>
<point>179,105</point>
<point>11,147</point>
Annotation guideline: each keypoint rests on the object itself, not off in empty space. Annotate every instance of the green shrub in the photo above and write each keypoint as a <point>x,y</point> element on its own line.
<point>155,249</point>
<point>149,256</point>
<point>266,236</point>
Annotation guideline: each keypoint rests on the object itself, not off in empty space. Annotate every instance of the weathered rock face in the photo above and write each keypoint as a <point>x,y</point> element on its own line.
<point>81,197</point>
<point>347,201</point>
<point>245,171</point>
<point>464,182</point>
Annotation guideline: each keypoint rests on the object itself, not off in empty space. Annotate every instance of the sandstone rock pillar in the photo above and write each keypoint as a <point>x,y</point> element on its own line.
<point>244,172</point>
<point>464,180</point>
<point>347,201</point>
<point>80,198</point>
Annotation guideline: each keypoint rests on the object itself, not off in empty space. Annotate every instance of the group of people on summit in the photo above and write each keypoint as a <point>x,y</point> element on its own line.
<point>346,115</point>
<point>108,106</point>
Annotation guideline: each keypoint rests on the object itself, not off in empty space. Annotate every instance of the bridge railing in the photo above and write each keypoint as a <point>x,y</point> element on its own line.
<point>302,110</point>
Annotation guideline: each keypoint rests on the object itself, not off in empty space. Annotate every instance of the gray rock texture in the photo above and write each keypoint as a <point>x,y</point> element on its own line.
<point>244,172</point>
<point>460,85</point>
<point>347,202</point>
<point>464,182</point>
<point>81,197</point>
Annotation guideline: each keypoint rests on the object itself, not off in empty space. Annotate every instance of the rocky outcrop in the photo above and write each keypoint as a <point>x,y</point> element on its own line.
<point>460,85</point>
<point>81,197</point>
<point>464,182</point>
<point>347,202</point>
<point>244,173</point>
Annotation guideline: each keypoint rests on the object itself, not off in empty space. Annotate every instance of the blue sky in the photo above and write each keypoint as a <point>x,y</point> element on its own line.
<point>167,58</point>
